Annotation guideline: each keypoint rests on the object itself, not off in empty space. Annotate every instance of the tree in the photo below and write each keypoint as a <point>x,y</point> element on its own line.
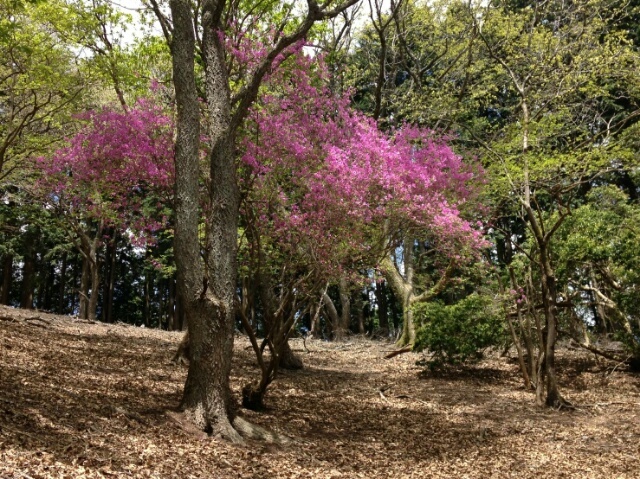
<point>39,85</point>
<point>549,54</point>
<point>319,201</point>
<point>114,174</point>
<point>208,290</point>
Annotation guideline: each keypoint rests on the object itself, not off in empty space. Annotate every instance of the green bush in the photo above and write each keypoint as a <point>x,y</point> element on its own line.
<point>459,332</point>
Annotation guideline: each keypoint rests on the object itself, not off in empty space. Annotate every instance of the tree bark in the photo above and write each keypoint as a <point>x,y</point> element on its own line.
<point>207,293</point>
<point>208,305</point>
<point>403,288</point>
<point>289,359</point>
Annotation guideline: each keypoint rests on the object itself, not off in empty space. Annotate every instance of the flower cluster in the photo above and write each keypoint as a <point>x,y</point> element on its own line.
<point>325,181</point>
<point>119,168</point>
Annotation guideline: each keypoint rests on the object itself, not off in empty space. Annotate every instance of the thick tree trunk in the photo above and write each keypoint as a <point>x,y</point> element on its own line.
<point>207,301</point>
<point>408,336</point>
<point>289,359</point>
<point>402,286</point>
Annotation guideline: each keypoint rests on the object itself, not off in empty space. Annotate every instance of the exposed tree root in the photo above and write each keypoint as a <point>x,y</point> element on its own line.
<point>252,431</point>
<point>237,431</point>
<point>559,404</point>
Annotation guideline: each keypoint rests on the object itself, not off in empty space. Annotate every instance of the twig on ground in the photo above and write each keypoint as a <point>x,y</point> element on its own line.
<point>624,361</point>
<point>381,391</point>
<point>392,354</point>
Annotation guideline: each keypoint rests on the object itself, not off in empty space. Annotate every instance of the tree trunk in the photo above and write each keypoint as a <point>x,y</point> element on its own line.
<point>402,286</point>
<point>47,304</point>
<point>60,308</point>
<point>332,312</point>
<point>147,299</point>
<point>359,305</point>
<point>84,289</point>
<point>408,336</point>
<point>41,286</point>
<point>383,309</point>
<point>28,277</point>
<point>207,302</point>
<point>171,306</point>
<point>109,280</point>
<point>94,268</point>
<point>344,320</point>
<point>549,295</point>
<point>289,359</point>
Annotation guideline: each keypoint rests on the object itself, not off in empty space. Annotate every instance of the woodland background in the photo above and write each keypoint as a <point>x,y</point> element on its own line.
<point>455,177</point>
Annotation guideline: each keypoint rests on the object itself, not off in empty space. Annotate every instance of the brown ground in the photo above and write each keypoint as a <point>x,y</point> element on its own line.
<point>90,400</point>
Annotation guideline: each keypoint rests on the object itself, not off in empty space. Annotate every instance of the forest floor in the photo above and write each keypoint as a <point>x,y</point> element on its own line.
<point>81,399</point>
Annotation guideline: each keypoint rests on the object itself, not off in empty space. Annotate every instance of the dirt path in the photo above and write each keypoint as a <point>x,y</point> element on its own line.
<point>90,400</point>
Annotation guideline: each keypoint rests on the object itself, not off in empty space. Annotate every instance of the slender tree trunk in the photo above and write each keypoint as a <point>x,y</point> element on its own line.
<point>345,311</point>
<point>147,299</point>
<point>94,268</point>
<point>84,289</point>
<point>77,268</point>
<point>316,309</point>
<point>28,277</point>
<point>47,304</point>
<point>41,285</point>
<point>61,308</point>
<point>529,367</point>
<point>359,305</point>
<point>383,308</point>
<point>7,276</point>
<point>549,295</point>
<point>172,324</point>
<point>332,312</point>
<point>109,280</point>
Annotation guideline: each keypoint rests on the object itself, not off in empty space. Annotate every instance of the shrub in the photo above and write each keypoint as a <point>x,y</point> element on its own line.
<point>459,332</point>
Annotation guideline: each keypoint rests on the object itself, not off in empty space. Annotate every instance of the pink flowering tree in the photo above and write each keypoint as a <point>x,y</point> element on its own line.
<point>327,194</point>
<point>115,174</point>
